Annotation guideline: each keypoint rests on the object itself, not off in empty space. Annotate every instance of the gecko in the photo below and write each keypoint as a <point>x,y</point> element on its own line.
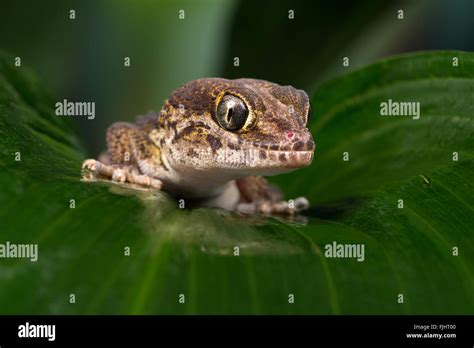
<point>213,143</point>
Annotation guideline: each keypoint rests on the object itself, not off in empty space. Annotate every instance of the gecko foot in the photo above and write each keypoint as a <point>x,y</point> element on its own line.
<point>290,207</point>
<point>92,169</point>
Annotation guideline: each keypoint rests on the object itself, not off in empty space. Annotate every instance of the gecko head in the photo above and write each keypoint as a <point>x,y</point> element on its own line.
<point>240,127</point>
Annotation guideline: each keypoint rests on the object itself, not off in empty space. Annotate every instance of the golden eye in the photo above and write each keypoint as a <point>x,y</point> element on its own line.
<point>232,112</point>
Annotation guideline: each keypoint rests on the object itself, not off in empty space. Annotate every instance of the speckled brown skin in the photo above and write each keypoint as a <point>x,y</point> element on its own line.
<point>184,151</point>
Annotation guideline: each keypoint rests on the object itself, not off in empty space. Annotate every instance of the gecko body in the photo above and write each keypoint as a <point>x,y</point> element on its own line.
<point>212,143</point>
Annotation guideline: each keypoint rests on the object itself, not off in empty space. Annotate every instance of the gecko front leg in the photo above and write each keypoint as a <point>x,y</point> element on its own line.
<point>121,163</point>
<point>290,207</point>
<point>258,196</point>
<point>93,169</point>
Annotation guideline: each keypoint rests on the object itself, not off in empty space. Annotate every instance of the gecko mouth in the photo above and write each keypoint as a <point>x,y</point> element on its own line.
<point>272,159</point>
<point>293,159</point>
<point>296,155</point>
<point>272,162</point>
<point>288,159</point>
<point>275,162</point>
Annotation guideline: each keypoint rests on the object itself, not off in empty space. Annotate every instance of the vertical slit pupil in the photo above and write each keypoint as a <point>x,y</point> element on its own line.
<point>229,114</point>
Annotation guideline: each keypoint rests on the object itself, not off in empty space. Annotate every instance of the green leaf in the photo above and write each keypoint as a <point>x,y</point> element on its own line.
<point>387,149</point>
<point>408,251</point>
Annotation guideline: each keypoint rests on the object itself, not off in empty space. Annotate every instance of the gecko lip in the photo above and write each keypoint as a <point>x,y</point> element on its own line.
<point>273,162</point>
<point>292,159</point>
<point>296,155</point>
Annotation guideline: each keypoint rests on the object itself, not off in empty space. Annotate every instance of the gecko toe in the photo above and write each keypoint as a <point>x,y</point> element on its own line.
<point>119,175</point>
<point>301,203</point>
<point>89,164</point>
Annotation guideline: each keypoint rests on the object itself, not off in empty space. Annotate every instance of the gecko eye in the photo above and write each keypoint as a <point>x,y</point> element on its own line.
<point>232,113</point>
